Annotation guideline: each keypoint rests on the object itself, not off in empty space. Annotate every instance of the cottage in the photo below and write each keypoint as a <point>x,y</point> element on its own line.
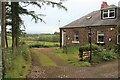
<point>103,24</point>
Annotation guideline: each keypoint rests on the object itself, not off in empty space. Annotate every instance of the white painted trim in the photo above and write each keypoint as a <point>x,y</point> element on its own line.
<point>117,40</point>
<point>75,42</point>
<point>100,35</point>
<point>108,14</point>
<point>63,36</point>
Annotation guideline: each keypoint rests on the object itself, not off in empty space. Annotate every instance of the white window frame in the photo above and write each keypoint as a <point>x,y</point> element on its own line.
<point>108,13</point>
<point>76,35</point>
<point>98,37</point>
<point>63,38</point>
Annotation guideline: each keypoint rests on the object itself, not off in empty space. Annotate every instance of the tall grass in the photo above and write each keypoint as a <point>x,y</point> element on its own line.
<point>17,66</point>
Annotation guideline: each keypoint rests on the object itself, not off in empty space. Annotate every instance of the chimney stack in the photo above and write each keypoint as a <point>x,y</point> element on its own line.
<point>104,5</point>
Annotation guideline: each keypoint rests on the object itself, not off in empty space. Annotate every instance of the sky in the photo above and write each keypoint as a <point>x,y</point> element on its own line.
<point>56,18</point>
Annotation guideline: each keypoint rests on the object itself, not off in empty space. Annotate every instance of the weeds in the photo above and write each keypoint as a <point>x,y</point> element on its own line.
<point>18,66</point>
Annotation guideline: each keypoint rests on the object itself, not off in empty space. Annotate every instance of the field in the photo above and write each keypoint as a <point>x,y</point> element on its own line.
<point>41,40</point>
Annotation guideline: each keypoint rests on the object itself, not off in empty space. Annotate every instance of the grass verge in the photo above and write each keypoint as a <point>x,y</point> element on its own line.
<point>18,66</point>
<point>71,57</point>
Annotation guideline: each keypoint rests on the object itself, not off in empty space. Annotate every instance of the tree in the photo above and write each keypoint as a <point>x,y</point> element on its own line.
<point>3,22</point>
<point>15,24</point>
<point>16,21</point>
<point>3,26</point>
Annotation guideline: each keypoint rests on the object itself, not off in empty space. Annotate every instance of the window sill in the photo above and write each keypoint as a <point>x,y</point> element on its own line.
<point>75,41</point>
<point>100,42</point>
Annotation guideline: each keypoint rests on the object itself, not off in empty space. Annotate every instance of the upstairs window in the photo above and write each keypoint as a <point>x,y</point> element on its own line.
<point>108,14</point>
<point>76,36</point>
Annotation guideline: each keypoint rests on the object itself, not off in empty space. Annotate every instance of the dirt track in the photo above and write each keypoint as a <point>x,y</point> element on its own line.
<point>104,70</point>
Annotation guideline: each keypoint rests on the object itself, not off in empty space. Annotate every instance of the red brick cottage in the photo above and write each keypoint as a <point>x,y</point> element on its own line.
<point>103,24</point>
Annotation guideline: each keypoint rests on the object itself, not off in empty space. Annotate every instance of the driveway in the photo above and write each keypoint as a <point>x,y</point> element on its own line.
<point>103,70</point>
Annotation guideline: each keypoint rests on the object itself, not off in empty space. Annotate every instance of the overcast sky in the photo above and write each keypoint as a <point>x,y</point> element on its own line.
<point>56,18</point>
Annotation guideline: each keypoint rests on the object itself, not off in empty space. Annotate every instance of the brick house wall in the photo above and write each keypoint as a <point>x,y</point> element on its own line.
<point>109,33</point>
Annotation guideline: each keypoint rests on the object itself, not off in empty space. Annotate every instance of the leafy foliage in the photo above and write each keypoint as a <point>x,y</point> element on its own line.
<point>86,47</point>
<point>104,56</point>
<point>43,37</point>
<point>41,44</point>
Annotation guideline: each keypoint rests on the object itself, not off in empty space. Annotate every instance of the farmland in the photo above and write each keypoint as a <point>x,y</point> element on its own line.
<point>41,40</point>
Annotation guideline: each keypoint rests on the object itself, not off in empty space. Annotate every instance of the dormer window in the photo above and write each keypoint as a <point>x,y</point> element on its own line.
<point>108,14</point>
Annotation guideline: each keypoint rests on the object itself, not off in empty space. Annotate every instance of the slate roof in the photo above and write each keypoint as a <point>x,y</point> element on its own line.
<point>95,20</point>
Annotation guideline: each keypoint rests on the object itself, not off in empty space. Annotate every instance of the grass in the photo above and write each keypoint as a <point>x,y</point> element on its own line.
<point>41,40</point>
<point>71,58</point>
<point>43,59</point>
<point>18,66</point>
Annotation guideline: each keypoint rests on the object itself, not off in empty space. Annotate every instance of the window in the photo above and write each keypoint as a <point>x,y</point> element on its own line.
<point>100,37</point>
<point>108,14</point>
<point>76,36</point>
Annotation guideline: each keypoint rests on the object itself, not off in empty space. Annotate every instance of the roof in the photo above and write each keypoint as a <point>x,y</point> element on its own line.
<point>110,6</point>
<point>94,20</point>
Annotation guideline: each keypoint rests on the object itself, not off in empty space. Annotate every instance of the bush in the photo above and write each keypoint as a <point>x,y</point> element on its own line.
<point>104,56</point>
<point>71,49</point>
<point>43,37</point>
<point>86,47</point>
<point>41,45</point>
<point>84,64</point>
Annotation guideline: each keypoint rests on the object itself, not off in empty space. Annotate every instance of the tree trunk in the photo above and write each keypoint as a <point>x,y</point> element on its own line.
<point>6,38</point>
<point>3,36</point>
<point>13,4</point>
<point>15,25</point>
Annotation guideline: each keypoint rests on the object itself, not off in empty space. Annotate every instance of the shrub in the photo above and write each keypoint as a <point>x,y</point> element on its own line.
<point>86,47</point>
<point>104,56</point>
<point>71,49</point>
<point>84,64</point>
<point>108,55</point>
<point>43,44</point>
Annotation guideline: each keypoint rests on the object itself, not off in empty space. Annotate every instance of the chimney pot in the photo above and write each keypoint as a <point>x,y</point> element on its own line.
<point>104,5</point>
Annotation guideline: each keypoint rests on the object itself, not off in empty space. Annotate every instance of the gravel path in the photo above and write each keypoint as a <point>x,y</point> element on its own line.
<point>104,70</point>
